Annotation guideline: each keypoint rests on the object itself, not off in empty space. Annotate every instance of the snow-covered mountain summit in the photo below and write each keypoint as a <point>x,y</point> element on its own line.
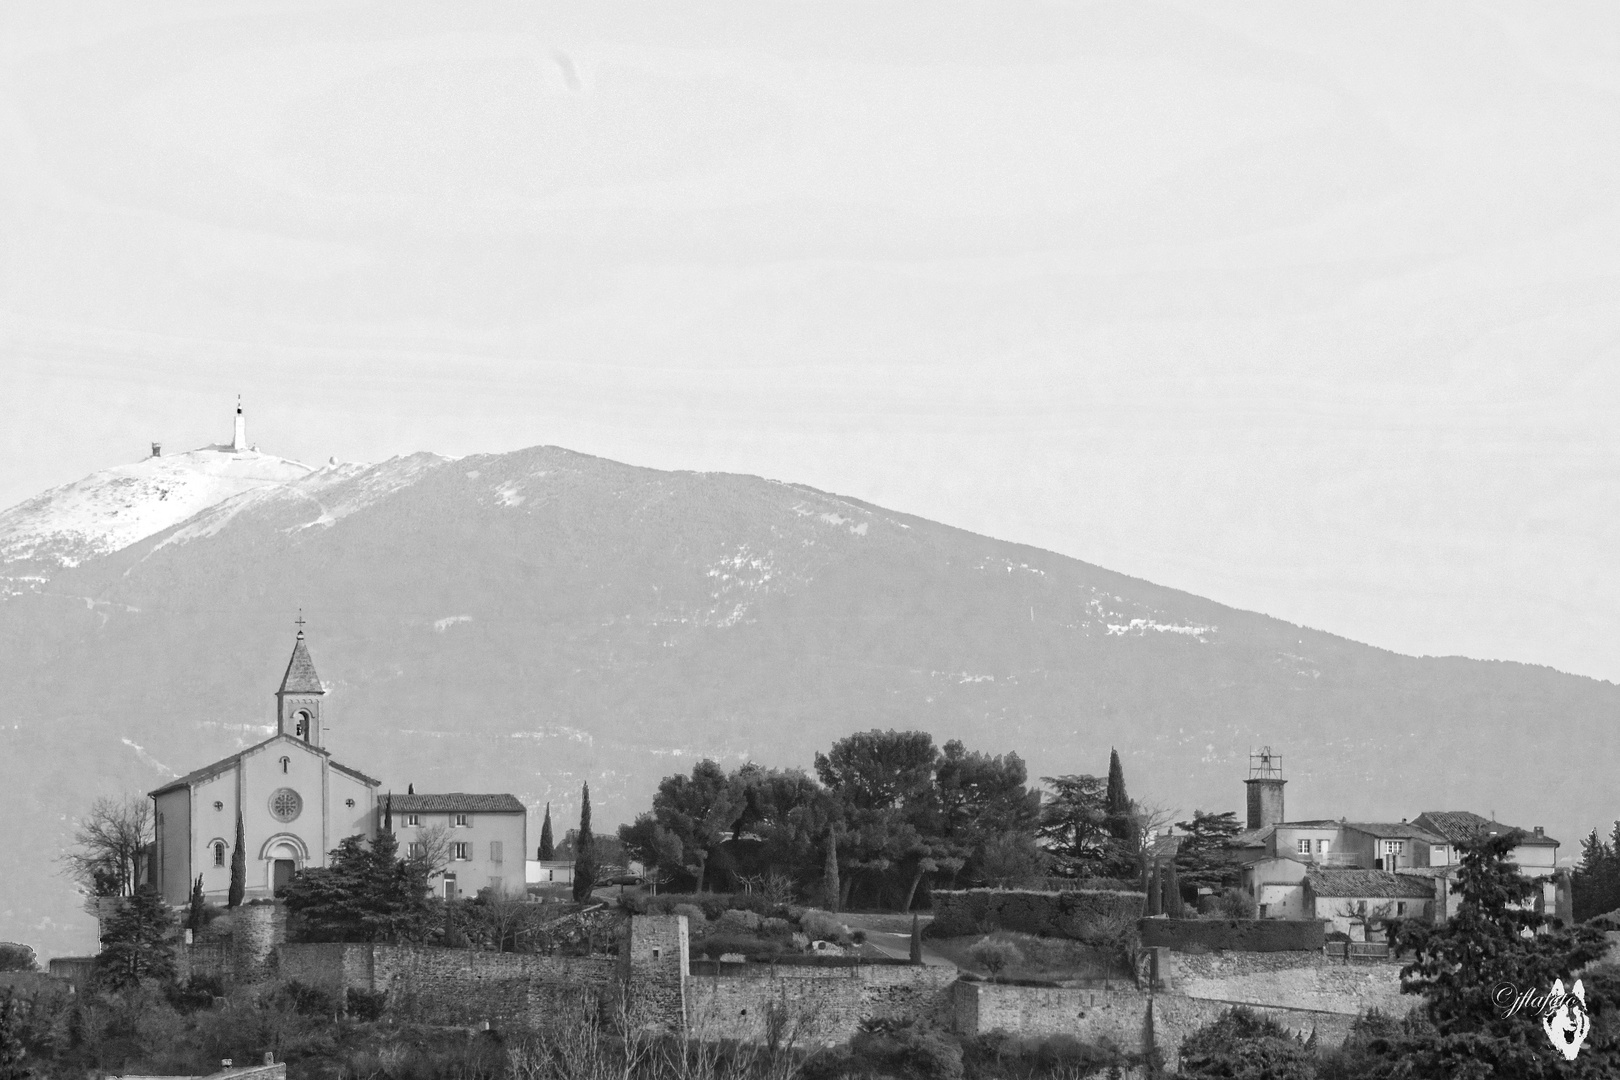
<point>116,507</point>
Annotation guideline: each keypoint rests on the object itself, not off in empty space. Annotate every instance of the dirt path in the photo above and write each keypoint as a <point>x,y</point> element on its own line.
<point>890,934</point>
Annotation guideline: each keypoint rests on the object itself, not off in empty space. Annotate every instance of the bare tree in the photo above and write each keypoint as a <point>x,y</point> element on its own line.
<point>108,845</point>
<point>430,851</point>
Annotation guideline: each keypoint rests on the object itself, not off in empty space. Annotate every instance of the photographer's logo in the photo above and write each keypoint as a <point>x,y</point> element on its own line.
<point>1563,1016</point>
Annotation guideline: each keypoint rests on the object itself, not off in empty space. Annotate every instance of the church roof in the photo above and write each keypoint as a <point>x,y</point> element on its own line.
<point>458,802</point>
<point>208,772</point>
<point>301,677</point>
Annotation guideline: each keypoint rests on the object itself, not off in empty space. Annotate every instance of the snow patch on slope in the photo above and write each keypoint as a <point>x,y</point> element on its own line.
<point>114,508</point>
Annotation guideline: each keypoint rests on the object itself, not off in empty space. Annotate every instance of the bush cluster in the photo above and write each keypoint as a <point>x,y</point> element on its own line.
<point>1247,935</point>
<point>1083,916</point>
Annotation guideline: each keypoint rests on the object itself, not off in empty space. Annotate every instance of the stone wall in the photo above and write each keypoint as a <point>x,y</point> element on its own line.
<point>237,947</point>
<point>654,965</point>
<point>1306,980</point>
<point>1117,1018</point>
<point>822,1005</point>
<point>453,986</point>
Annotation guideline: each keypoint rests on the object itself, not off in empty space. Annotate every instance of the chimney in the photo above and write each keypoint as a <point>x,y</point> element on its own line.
<point>1540,831</point>
<point>1265,784</point>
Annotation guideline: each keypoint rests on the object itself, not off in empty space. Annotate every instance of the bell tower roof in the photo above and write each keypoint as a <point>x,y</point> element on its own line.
<point>300,677</point>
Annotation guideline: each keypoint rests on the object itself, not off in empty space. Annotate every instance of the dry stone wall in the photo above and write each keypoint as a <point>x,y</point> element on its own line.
<point>453,986</point>
<point>1117,1018</point>
<point>819,1005</point>
<point>1305,980</point>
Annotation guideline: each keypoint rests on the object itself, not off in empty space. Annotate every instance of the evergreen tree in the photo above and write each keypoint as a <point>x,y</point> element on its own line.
<point>1123,824</point>
<point>135,945</point>
<point>13,1053</point>
<point>1116,802</point>
<point>830,871</point>
<point>1596,882</point>
<point>584,850</point>
<point>1495,938</point>
<point>1074,824</point>
<point>548,849</point>
<point>194,913</point>
<point>365,893</point>
<point>1206,858</point>
<point>238,889</point>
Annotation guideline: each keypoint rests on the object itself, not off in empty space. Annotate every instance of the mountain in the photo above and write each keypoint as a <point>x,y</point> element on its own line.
<point>114,508</point>
<point>525,621</point>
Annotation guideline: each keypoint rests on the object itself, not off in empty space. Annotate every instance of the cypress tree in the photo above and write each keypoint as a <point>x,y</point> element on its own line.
<point>238,867</point>
<point>1118,804</point>
<point>194,915</point>
<point>548,849</point>
<point>584,850</point>
<point>830,872</point>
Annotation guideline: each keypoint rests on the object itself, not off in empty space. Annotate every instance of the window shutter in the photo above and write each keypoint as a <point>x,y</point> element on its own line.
<point>494,851</point>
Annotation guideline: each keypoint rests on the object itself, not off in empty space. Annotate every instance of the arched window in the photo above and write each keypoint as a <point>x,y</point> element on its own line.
<point>219,853</point>
<point>284,763</point>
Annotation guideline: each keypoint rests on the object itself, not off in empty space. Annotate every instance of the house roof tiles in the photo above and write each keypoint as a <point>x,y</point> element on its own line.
<point>457,802</point>
<point>1459,826</point>
<point>1380,884</point>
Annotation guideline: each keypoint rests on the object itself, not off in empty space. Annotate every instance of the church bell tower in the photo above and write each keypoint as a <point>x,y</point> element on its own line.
<point>298,702</point>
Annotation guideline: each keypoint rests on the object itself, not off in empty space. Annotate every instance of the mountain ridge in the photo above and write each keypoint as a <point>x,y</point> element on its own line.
<point>526,621</point>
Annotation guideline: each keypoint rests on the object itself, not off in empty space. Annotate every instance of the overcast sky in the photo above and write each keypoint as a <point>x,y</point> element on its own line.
<point>1309,309</point>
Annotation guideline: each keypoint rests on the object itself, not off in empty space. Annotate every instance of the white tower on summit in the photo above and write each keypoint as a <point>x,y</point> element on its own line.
<point>239,436</point>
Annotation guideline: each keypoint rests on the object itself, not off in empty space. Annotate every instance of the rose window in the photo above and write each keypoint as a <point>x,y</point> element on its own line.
<point>285,804</point>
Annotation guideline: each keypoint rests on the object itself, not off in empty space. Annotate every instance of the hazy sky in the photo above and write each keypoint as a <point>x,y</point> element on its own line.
<point>1310,309</point>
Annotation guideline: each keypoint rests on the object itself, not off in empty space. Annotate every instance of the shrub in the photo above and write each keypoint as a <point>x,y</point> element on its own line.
<point>694,916</point>
<point>823,926</point>
<point>307,1000</point>
<point>1245,1046</point>
<point>996,955</point>
<point>733,919</point>
<point>716,945</point>
<point>366,1004</point>
<point>1247,935</point>
<point>1000,1054</point>
<point>903,1049</point>
<point>197,992</point>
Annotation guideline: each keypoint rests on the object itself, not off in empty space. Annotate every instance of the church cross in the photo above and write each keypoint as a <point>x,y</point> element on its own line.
<point>300,620</point>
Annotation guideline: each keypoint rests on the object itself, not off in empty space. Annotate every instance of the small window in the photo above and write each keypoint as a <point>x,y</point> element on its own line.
<point>219,853</point>
<point>494,851</point>
<point>1400,907</point>
<point>1304,847</point>
<point>415,849</point>
<point>458,852</point>
<point>413,820</point>
<point>459,821</point>
<point>284,763</point>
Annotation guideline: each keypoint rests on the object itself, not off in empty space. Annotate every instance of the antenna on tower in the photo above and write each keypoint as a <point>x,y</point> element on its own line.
<point>1264,764</point>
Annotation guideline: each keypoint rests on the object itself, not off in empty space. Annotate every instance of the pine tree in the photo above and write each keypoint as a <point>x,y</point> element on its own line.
<point>135,945</point>
<point>194,914</point>
<point>238,867</point>
<point>548,850</point>
<point>584,850</point>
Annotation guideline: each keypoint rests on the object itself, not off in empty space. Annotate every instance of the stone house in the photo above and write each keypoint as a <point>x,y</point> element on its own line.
<point>487,836</point>
<point>1356,902</point>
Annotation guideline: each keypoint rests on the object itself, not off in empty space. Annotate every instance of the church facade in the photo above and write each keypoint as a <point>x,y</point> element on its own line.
<point>295,802</point>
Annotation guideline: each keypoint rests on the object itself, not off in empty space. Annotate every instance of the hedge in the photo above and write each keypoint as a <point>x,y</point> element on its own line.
<point>1240,935</point>
<point>1075,914</point>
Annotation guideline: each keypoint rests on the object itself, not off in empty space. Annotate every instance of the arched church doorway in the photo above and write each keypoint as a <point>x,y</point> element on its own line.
<point>283,865</point>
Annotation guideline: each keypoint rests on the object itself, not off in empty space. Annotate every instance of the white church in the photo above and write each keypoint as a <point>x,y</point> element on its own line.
<point>296,803</point>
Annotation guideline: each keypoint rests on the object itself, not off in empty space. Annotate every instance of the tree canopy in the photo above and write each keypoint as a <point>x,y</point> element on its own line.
<point>365,893</point>
<point>135,942</point>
